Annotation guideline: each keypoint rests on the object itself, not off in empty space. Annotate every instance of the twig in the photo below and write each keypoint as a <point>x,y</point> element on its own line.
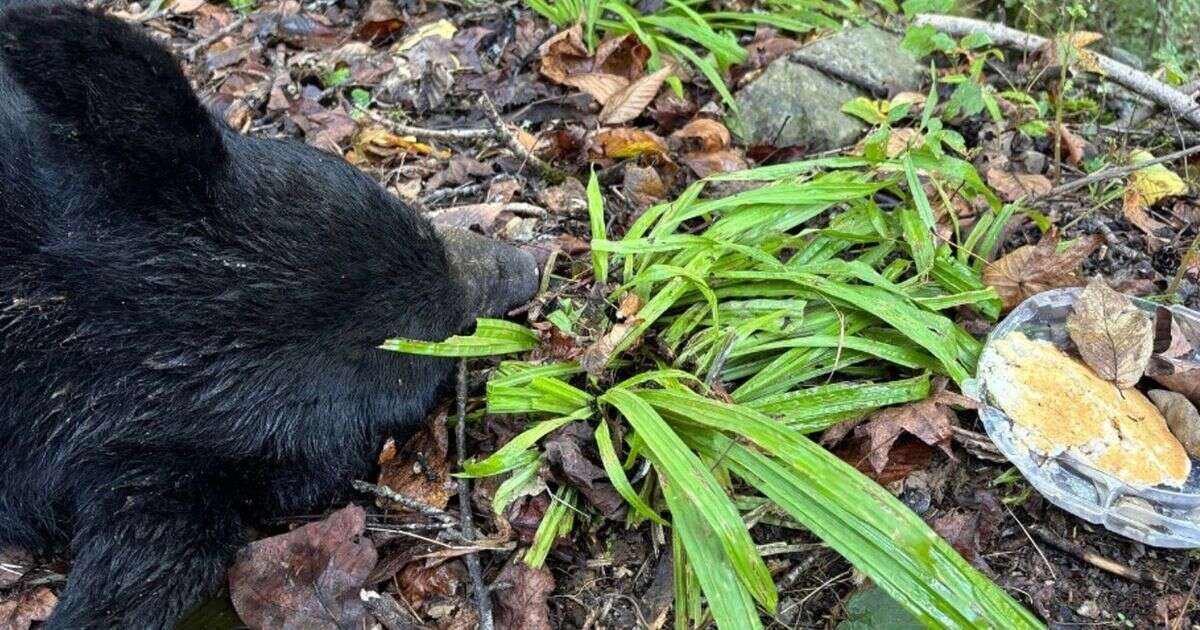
<point>223,32</point>
<point>503,133</point>
<point>441,135</point>
<point>1115,172</point>
<point>395,497</point>
<point>387,610</point>
<point>1168,97</point>
<point>824,67</point>
<point>977,444</point>
<point>1096,560</point>
<point>483,602</point>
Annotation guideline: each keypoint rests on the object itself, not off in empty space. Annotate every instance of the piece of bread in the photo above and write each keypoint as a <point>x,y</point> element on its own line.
<point>1059,404</point>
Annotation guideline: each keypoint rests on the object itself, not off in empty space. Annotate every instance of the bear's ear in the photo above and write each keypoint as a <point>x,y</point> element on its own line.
<point>112,93</point>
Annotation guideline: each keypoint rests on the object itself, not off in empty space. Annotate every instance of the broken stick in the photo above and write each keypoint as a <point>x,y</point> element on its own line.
<point>1176,102</point>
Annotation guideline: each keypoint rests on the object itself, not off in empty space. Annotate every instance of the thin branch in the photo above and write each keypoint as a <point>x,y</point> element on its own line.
<point>395,497</point>
<point>225,31</point>
<point>1096,560</point>
<point>549,173</point>
<point>483,601</point>
<point>440,135</point>
<point>1115,172</point>
<point>1168,97</point>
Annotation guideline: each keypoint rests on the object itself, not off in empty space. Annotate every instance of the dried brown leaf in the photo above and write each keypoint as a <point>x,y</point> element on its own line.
<point>1075,146</point>
<point>643,186</point>
<point>1138,213</point>
<point>629,306</point>
<point>930,420</point>
<point>1114,337</point>
<point>599,85</point>
<point>1031,269</point>
<point>420,470</point>
<point>1013,186</point>
<point>307,578</point>
<point>627,142</point>
<point>525,604</point>
<point>380,22</point>
<point>624,56</point>
<point>1182,418</point>
<point>723,161</point>
<point>422,582</point>
<point>629,103</point>
<point>20,610</point>
<point>1177,375</point>
<point>704,134</point>
<point>564,55</point>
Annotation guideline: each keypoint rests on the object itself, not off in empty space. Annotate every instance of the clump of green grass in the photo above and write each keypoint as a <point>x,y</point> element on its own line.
<point>682,24</point>
<point>812,304</point>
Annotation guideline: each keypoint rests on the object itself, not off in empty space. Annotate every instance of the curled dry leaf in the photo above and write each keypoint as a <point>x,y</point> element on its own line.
<point>626,142</point>
<point>20,610</point>
<point>1075,147</point>
<point>599,85</point>
<point>382,145</point>
<point>1182,418</point>
<point>564,55</point>
<point>629,103</point>
<point>624,56</point>
<point>1176,375</point>
<point>643,186</point>
<point>629,306</point>
<point>1031,269</point>
<point>704,134</point>
<point>930,420</point>
<point>1114,337</point>
<point>723,161</point>
<point>524,605</point>
<point>307,578</point>
<point>1013,186</point>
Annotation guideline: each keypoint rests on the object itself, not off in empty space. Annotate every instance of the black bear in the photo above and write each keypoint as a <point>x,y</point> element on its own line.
<point>189,319</point>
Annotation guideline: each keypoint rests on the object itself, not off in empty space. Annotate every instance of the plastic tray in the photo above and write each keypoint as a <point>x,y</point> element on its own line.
<point>1158,516</point>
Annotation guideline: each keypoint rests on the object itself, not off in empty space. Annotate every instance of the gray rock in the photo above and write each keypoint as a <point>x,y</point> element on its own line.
<point>794,104</point>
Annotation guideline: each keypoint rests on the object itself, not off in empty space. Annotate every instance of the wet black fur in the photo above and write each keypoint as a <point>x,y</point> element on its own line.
<point>188,320</point>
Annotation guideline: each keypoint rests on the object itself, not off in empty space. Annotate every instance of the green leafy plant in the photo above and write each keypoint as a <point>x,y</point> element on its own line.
<point>681,24</point>
<point>804,327</point>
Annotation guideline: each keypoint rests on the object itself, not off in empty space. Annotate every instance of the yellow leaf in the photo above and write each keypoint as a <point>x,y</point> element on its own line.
<point>441,28</point>
<point>1155,183</point>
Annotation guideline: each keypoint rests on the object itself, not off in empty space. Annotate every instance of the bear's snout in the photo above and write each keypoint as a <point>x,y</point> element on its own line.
<point>496,276</point>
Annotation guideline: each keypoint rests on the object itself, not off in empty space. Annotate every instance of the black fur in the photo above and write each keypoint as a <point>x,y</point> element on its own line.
<point>188,320</point>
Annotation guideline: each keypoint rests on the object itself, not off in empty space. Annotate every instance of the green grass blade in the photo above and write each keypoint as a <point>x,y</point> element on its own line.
<point>616,475</point>
<point>491,337</point>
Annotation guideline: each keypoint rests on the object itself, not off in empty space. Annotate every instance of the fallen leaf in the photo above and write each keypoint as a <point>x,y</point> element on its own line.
<point>419,470</point>
<point>1114,337</point>
<point>1177,375</point>
<point>524,605</point>
<point>1137,212</point>
<point>1182,418</point>
<point>1156,182</point>
<point>382,145</point>
<point>930,420</point>
<point>901,140</point>
<point>1013,186</point>
<point>969,532</point>
<point>1075,146</point>
<point>307,578</point>
<point>566,198</point>
<point>422,582</point>
<point>599,85</point>
<point>643,186</point>
<point>441,29</point>
<point>627,142</point>
<point>703,134</point>
<point>181,7</point>
<point>1031,269</point>
<point>379,22</point>
<point>564,55</point>
<point>1170,339</point>
<point>629,103</point>
<point>624,56</point>
<point>20,610</point>
<point>723,161</point>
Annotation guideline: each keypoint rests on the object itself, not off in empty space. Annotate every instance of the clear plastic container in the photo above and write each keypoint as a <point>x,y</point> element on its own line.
<point>1159,516</point>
